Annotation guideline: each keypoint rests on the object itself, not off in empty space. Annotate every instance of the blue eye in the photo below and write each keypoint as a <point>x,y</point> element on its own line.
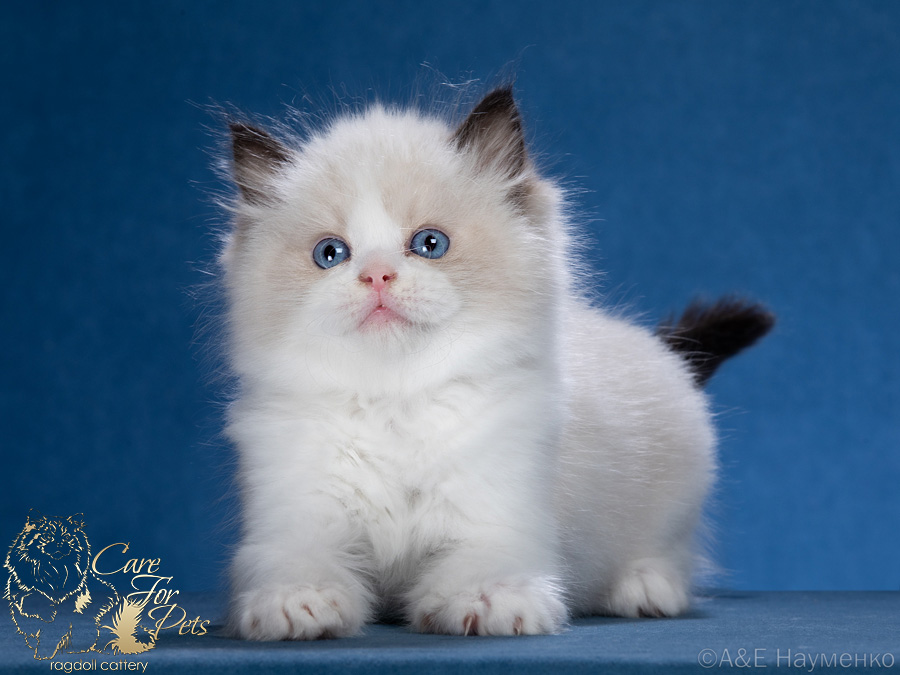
<point>330,252</point>
<point>429,244</point>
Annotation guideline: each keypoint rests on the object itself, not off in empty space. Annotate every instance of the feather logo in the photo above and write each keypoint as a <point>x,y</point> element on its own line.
<point>126,622</point>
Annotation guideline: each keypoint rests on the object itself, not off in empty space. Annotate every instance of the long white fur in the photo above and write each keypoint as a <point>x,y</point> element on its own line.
<point>510,457</point>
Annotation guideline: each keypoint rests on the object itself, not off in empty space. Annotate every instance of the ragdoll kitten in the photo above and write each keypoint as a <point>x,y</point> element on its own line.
<point>433,424</point>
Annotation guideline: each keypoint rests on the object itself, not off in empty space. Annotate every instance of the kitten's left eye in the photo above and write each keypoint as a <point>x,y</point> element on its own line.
<point>429,243</point>
<point>330,252</point>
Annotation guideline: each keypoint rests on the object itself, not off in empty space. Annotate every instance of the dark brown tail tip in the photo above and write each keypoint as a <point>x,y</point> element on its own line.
<point>707,334</point>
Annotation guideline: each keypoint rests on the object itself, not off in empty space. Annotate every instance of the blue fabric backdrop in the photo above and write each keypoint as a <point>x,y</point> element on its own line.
<point>719,146</point>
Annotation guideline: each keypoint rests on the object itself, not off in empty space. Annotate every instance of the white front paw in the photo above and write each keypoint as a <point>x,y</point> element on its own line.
<point>298,613</point>
<point>520,607</point>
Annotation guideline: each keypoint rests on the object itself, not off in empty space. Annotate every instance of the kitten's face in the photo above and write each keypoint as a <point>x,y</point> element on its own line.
<point>383,235</point>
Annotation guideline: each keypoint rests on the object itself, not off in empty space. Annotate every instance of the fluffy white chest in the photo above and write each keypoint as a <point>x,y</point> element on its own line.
<point>395,467</point>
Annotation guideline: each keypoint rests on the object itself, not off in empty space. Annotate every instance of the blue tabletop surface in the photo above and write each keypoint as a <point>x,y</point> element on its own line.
<point>790,632</point>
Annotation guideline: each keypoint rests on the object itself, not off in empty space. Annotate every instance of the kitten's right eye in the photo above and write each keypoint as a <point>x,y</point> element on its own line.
<point>330,252</point>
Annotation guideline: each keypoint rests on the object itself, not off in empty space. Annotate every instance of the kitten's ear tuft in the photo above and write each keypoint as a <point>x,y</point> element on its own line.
<point>494,131</point>
<point>257,156</point>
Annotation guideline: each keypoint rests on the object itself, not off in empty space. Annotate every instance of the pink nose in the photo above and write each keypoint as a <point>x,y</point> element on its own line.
<point>377,275</point>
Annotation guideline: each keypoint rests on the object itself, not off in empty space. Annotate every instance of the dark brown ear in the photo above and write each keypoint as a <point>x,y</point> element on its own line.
<point>256,157</point>
<point>493,130</point>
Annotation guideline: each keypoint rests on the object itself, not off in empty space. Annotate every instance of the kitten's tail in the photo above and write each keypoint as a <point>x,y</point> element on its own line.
<point>708,334</point>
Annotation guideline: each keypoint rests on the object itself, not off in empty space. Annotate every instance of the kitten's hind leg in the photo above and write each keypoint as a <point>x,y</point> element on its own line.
<point>649,587</point>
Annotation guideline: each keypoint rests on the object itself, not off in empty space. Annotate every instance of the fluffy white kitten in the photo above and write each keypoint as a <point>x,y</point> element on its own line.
<point>433,424</point>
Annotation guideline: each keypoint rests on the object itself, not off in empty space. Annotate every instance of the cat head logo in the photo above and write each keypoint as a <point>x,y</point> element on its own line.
<point>57,601</point>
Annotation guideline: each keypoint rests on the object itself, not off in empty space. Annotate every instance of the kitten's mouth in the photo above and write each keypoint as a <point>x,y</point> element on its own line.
<point>382,315</point>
